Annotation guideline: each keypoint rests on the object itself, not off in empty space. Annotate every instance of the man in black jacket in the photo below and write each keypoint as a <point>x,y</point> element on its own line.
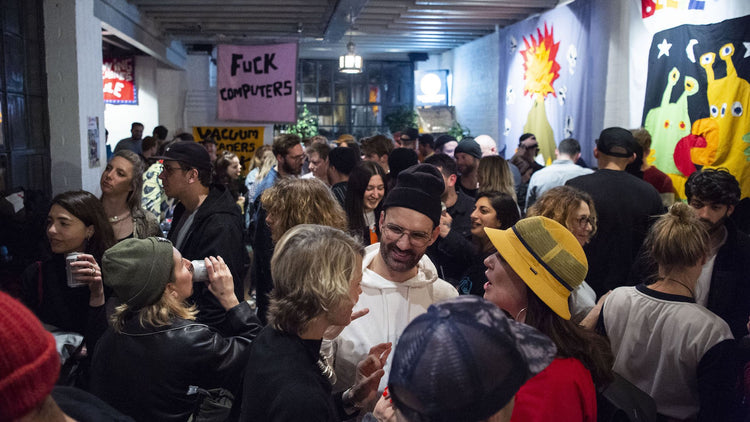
<point>723,286</point>
<point>624,206</point>
<point>453,251</point>
<point>207,222</point>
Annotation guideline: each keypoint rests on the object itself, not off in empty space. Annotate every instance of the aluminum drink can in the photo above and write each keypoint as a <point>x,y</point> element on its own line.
<point>72,282</point>
<point>200,274</point>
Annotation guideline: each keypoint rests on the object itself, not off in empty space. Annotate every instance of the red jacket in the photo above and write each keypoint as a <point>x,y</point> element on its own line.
<point>562,392</point>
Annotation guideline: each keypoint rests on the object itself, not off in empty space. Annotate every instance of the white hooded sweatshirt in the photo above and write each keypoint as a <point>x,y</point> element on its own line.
<point>392,306</point>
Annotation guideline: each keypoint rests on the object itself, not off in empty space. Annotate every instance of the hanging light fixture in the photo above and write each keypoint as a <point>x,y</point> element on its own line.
<point>350,62</point>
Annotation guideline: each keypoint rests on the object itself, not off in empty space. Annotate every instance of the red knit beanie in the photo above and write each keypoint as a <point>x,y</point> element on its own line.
<point>29,364</point>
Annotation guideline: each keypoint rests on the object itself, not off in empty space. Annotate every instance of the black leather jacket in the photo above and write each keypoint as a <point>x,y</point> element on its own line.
<point>147,372</point>
<point>217,230</point>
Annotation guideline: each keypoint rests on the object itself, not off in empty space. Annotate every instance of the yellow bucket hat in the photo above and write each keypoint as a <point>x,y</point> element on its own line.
<point>546,256</point>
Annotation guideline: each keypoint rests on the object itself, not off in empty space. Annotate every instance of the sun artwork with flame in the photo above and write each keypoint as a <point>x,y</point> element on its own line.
<point>541,70</point>
<point>539,63</point>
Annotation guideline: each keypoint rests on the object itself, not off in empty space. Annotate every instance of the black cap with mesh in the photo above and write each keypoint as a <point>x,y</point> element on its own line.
<point>464,360</point>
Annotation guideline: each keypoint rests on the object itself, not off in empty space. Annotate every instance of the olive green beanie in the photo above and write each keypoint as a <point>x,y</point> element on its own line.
<point>138,270</point>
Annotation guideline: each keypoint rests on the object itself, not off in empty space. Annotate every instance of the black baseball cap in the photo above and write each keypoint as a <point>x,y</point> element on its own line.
<point>191,154</point>
<point>616,142</point>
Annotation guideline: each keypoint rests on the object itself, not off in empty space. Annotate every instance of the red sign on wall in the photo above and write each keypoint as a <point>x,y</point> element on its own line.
<point>119,81</point>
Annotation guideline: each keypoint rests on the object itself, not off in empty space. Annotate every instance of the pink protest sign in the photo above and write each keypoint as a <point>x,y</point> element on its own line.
<point>257,83</point>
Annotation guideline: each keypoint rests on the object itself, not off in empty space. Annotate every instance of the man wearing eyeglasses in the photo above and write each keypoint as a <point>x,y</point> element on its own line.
<point>289,160</point>
<point>399,281</point>
<point>206,222</point>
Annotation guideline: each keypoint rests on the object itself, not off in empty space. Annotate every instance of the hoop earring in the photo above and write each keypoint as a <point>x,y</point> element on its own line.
<point>519,313</point>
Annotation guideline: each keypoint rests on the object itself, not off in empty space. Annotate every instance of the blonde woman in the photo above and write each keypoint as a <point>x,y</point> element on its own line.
<point>260,166</point>
<point>317,272</point>
<point>677,351</point>
<point>122,186</point>
<point>494,175</point>
<point>155,354</point>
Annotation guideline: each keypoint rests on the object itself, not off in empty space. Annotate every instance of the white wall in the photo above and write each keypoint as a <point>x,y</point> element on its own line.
<point>171,86</point>
<point>73,45</point>
<point>118,117</point>
<point>474,72</point>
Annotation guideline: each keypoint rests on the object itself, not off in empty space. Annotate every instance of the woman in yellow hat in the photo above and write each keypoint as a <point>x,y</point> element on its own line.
<point>537,264</point>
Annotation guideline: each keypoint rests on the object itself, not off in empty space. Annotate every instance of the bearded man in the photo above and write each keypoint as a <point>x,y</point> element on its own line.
<point>723,286</point>
<point>399,281</point>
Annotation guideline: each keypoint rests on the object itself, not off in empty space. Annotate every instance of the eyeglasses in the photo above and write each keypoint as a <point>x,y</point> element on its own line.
<point>530,147</point>
<point>585,221</point>
<point>295,157</point>
<point>169,169</point>
<point>393,233</point>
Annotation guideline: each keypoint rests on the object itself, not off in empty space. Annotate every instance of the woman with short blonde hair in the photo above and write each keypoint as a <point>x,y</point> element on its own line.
<point>307,281</point>
<point>317,271</point>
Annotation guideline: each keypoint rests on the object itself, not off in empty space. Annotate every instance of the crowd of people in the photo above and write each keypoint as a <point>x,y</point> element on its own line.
<point>417,277</point>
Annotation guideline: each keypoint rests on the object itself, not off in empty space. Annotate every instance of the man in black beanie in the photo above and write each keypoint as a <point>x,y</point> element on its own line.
<point>399,282</point>
<point>468,153</point>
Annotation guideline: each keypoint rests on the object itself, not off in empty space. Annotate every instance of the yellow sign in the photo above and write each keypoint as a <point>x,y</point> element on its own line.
<point>241,140</point>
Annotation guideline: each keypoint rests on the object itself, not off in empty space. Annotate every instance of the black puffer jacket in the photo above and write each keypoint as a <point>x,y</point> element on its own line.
<point>217,230</point>
<point>147,372</point>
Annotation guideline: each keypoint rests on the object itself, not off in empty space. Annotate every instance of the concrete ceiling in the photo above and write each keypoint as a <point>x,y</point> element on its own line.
<point>383,29</point>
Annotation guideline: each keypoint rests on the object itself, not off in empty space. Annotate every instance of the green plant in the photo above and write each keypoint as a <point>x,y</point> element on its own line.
<point>400,119</point>
<point>306,126</point>
<point>458,131</point>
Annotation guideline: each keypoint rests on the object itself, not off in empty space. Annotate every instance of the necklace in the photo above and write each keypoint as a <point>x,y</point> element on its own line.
<point>116,219</point>
<point>692,295</point>
<point>326,369</point>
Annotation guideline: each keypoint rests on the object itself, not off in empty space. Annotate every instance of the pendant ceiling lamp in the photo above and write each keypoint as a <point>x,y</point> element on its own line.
<point>350,62</point>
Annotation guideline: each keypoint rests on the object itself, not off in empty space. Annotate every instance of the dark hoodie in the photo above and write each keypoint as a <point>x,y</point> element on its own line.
<point>217,230</point>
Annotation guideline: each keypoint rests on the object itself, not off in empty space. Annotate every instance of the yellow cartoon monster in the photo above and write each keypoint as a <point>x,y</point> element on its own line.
<point>728,98</point>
